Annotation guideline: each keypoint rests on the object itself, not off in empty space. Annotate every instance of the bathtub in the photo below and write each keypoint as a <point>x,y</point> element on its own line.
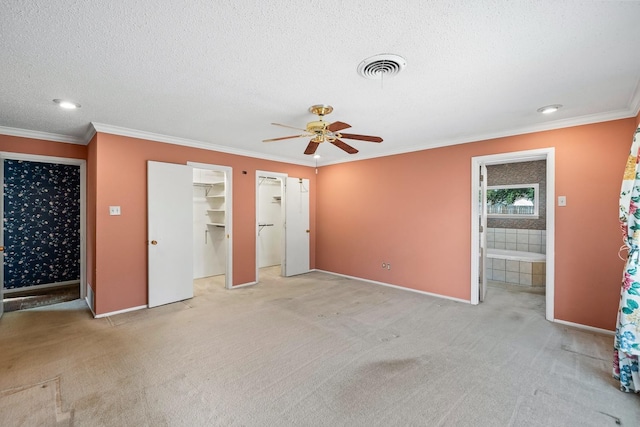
<point>516,267</point>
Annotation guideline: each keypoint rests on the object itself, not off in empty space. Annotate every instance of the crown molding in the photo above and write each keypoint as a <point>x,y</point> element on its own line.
<point>540,127</point>
<point>91,132</point>
<point>46,136</point>
<point>132,133</point>
<point>634,103</point>
<point>94,127</point>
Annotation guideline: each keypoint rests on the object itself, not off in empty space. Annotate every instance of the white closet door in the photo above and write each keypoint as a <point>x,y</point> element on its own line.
<point>170,233</point>
<point>297,226</point>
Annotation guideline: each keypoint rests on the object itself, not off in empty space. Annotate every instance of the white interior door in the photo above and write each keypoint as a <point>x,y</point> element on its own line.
<point>296,226</point>
<point>483,231</point>
<point>170,232</point>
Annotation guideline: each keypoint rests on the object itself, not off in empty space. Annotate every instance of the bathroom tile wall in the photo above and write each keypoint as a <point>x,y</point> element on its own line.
<point>516,272</point>
<point>517,239</point>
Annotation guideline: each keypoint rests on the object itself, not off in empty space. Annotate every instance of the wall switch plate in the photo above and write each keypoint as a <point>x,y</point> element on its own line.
<point>114,210</point>
<point>562,200</point>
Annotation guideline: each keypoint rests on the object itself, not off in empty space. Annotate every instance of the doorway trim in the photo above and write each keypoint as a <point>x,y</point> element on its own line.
<point>283,178</point>
<point>547,154</point>
<point>83,204</point>
<point>228,200</point>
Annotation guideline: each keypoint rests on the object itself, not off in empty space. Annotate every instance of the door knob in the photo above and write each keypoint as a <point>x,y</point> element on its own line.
<point>154,242</point>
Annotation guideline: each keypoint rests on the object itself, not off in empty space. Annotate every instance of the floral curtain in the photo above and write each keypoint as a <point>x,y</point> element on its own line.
<point>627,338</point>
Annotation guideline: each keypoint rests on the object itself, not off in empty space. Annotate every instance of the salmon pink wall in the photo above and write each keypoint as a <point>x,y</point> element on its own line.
<point>121,179</point>
<point>16,144</point>
<point>412,210</point>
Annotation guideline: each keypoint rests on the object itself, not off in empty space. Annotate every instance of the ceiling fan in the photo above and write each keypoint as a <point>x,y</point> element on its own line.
<point>321,131</point>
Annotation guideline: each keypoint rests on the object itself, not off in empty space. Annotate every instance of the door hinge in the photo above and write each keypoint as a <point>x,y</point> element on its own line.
<point>481,177</point>
<point>481,229</point>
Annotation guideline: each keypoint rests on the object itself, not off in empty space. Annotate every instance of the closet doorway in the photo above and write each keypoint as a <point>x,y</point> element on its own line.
<point>270,216</point>
<point>212,223</point>
<point>175,228</point>
<point>282,224</point>
<point>43,232</point>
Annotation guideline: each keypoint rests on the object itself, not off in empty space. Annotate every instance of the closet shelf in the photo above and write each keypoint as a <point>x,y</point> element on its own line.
<point>215,210</point>
<point>277,197</point>
<point>219,196</point>
<point>209,183</point>
<point>216,224</point>
<point>261,226</point>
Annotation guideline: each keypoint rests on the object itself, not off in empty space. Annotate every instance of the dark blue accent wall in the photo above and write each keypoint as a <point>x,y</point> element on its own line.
<point>41,223</point>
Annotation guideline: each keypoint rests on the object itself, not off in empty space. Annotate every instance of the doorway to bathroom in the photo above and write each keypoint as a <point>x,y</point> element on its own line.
<point>512,227</point>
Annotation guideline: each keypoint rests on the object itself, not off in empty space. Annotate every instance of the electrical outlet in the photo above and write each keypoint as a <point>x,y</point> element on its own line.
<point>388,266</point>
<point>114,210</point>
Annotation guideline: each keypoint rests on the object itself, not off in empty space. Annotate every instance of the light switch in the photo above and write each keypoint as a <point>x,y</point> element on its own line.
<point>114,210</point>
<point>562,200</point>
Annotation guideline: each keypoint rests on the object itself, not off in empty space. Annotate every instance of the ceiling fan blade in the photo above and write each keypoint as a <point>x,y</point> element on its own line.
<point>312,147</point>
<point>285,137</point>
<point>346,147</point>
<point>287,126</point>
<point>336,126</point>
<point>361,137</point>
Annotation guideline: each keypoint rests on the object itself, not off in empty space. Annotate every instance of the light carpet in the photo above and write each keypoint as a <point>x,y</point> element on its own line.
<point>312,350</point>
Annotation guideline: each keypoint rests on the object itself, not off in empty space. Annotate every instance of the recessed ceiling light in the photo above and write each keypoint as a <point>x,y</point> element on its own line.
<point>66,104</point>
<point>317,156</point>
<point>548,109</point>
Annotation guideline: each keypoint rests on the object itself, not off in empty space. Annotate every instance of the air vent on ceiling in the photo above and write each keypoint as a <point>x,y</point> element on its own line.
<point>381,66</point>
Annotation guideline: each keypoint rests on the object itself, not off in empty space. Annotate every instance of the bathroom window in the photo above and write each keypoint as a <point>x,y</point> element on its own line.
<point>512,201</point>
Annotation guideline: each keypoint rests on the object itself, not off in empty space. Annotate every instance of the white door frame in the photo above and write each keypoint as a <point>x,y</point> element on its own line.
<point>282,177</point>
<point>547,154</point>
<point>83,207</point>
<point>228,217</point>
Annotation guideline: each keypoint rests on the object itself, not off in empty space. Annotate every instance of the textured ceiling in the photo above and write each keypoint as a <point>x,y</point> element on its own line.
<point>219,72</point>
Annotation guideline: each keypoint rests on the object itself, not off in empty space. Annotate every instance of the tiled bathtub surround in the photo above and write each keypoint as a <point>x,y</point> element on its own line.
<point>516,272</point>
<point>517,240</point>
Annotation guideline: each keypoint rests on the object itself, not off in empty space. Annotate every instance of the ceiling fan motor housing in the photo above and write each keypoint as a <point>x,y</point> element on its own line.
<point>317,126</point>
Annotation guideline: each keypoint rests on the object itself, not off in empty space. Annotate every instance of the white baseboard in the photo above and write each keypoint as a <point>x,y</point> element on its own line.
<point>126,310</point>
<point>585,327</point>
<point>89,305</point>
<point>395,286</point>
<point>90,299</point>
<point>244,285</point>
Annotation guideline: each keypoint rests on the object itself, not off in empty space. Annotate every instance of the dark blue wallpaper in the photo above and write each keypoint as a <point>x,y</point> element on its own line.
<point>41,223</point>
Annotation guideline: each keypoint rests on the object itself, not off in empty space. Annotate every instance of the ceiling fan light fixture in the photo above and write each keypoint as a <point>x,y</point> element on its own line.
<point>548,109</point>
<point>381,66</point>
